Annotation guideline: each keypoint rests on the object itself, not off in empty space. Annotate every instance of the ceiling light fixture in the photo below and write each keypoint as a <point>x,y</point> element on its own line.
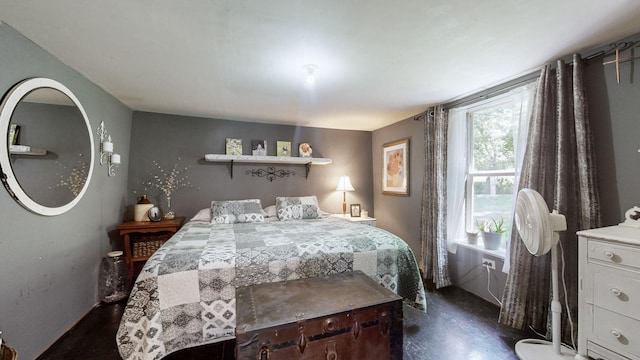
<point>311,70</point>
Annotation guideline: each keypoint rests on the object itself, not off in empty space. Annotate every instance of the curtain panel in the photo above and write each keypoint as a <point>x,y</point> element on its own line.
<point>559,163</point>
<point>433,230</point>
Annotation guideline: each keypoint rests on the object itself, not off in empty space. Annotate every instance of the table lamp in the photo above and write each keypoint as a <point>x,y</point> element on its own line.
<point>344,185</point>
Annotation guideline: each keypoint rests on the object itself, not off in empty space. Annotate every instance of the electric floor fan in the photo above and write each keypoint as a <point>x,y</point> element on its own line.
<point>539,229</point>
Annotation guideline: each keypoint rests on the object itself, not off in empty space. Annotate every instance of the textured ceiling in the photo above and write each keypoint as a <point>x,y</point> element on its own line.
<point>378,61</point>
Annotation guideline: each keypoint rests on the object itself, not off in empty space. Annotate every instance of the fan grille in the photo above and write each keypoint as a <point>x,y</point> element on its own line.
<point>533,223</point>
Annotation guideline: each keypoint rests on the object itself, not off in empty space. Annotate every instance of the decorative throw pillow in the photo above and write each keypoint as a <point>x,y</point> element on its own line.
<point>296,208</point>
<point>236,211</point>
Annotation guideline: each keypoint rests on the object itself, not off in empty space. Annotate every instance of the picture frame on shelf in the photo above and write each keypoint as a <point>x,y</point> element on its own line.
<point>233,146</point>
<point>355,210</point>
<point>283,148</point>
<point>258,147</point>
<point>305,150</point>
<point>395,168</point>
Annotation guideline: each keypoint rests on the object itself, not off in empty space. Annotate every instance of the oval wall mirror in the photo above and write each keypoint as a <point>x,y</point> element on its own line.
<point>48,156</point>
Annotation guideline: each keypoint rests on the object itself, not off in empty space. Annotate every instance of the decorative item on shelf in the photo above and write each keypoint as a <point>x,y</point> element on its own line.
<point>283,148</point>
<point>233,146</point>
<point>305,150</point>
<point>169,182</point>
<point>355,210</point>
<point>364,213</point>
<point>14,134</point>
<point>107,156</point>
<point>492,232</point>
<point>141,209</point>
<point>344,185</point>
<point>258,147</point>
<point>270,173</point>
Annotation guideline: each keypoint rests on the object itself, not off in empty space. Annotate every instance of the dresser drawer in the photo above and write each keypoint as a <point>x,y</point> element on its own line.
<point>616,291</point>
<point>614,254</point>
<point>599,353</point>
<point>616,332</point>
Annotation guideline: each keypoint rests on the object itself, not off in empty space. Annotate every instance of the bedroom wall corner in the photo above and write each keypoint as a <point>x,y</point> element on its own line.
<point>400,214</point>
<point>49,265</point>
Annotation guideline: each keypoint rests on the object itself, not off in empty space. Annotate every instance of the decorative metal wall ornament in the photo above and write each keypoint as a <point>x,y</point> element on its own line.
<point>270,173</point>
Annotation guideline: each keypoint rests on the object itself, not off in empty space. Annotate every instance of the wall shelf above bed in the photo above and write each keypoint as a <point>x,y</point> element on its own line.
<point>251,159</point>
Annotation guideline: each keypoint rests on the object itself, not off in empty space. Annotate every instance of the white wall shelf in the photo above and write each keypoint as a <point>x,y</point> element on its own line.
<point>251,159</point>
<point>26,150</point>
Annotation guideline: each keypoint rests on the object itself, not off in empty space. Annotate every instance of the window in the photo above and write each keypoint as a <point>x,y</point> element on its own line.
<point>491,162</point>
<point>486,145</point>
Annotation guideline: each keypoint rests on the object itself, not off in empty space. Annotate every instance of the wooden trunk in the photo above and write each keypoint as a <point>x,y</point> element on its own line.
<point>341,316</point>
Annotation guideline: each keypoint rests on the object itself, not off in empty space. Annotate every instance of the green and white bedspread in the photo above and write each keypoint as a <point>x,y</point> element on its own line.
<point>185,293</point>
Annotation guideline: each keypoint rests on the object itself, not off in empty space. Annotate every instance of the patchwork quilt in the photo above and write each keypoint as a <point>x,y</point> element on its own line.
<point>185,293</point>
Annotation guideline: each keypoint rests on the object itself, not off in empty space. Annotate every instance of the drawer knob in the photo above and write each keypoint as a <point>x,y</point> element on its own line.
<point>609,254</point>
<point>616,334</point>
<point>616,292</point>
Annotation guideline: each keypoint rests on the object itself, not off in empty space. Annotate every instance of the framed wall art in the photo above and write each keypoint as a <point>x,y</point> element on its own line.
<point>233,146</point>
<point>395,168</point>
<point>283,148</point>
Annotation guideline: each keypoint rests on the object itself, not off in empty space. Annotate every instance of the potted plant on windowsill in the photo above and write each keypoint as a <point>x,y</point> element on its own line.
<point>492,232</point>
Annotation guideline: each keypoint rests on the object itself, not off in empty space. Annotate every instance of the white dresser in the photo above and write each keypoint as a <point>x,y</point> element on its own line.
<point>609,293</point>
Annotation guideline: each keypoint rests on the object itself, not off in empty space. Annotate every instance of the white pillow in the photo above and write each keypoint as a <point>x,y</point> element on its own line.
<point>202,215</point>
<point>270,211</point>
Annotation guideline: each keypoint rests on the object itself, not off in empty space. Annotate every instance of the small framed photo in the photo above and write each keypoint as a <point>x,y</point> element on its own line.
<point>355,210</point>
<point>233,146</point>
<point>395,168</point>
<point>283,148</point>
<point>305,150</point>
<point>258,147</point>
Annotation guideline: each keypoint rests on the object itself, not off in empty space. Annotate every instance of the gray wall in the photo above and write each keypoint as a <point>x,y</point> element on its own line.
<point>48,265</point>
<point>165,138</point>
<point>400,214</point>
<point>614,111</point>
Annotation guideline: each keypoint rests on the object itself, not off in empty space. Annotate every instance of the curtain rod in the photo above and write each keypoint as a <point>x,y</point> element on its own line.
<point>494,90</point>
<point>589,56</point>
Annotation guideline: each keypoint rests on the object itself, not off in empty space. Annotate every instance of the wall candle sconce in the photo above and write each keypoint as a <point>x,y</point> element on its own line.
<point>107,156</point>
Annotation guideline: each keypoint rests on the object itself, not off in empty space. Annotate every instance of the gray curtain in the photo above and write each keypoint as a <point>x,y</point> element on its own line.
<point>433,232</point>
<point>560,164</point>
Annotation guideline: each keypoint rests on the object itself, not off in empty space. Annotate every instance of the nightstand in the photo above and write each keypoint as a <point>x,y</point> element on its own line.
<point>360,220</point>
<point>143,238</point>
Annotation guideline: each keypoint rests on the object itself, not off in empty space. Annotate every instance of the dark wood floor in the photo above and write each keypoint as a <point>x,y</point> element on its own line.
<point>457,325</point>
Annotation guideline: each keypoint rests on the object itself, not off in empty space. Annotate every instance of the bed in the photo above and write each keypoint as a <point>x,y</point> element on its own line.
<point>185,293</point>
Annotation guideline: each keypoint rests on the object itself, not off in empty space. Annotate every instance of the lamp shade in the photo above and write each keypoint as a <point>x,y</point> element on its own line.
<point>344,184</point>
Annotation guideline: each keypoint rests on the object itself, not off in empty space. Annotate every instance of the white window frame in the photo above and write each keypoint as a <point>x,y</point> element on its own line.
<point>458,186</point>
<point>470,172</point>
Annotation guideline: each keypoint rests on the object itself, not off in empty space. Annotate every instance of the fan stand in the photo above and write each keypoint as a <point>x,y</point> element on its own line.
<point>532,349</point>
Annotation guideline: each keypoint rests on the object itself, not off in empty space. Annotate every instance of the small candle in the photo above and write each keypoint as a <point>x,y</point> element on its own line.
<point>107,146</point>
<point>115,159</point>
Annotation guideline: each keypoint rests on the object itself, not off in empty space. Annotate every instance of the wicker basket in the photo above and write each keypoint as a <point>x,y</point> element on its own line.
<point>8,353</point>
<point>145,246</point>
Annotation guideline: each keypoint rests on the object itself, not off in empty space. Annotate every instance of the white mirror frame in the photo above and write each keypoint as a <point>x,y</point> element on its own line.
<point>9,104</point>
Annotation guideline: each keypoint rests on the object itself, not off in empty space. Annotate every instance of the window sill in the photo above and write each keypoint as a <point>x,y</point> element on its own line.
<point>499,253</point>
